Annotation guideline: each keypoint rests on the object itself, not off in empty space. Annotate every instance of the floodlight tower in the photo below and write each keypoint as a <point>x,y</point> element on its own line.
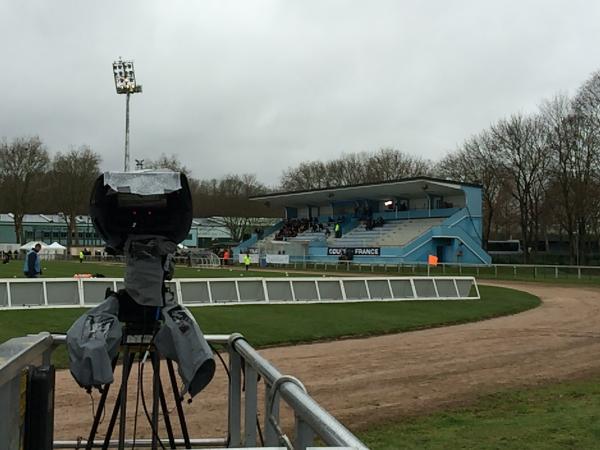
<point>125,84</point>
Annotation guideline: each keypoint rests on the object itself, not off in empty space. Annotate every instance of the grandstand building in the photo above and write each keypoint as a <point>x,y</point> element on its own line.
<point>403,221</point>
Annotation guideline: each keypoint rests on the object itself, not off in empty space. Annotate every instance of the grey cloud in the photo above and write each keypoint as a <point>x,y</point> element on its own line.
<point>257,86</point>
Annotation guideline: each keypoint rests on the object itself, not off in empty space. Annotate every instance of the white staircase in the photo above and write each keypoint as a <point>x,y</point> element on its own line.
<point>392,233</point>
<point>309,236</point>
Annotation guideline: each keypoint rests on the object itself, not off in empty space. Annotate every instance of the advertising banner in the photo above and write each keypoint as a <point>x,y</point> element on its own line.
<point>278,259</point>
<point>356,251</point>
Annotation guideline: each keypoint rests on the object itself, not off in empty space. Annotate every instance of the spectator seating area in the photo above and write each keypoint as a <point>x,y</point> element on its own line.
<point>366,234</point>
<point>392,233</point>
<point>304,230</point>
<point>398,221</point>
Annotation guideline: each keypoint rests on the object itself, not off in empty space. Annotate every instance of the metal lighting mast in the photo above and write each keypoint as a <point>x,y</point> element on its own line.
<point>125,84</point>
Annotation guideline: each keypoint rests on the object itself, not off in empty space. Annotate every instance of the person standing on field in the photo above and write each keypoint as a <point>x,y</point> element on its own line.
<point>247,261</point>
<point>81,256</point>
<point>32,267</point>
<point>226,257</point>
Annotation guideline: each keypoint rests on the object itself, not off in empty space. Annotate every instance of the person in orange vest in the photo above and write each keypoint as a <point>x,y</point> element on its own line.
<point>226,257</point>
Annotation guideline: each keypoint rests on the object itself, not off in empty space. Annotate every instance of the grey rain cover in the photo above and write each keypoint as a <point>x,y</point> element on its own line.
<point>144,272</point>
<point>92,342</point>
<point>181,340</point>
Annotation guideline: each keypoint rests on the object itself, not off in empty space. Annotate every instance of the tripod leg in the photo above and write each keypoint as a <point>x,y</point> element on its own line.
<point>127,361</point>
<point>182,422</point>
<point>165,410</point>
<point>155,397</point>
<point>99,411</point>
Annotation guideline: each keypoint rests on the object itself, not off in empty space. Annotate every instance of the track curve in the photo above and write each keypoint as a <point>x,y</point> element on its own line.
<point>365,381</point>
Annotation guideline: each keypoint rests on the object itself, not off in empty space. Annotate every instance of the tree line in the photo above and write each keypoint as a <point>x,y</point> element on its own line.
<point>33,181</point>
<point>539,171</point>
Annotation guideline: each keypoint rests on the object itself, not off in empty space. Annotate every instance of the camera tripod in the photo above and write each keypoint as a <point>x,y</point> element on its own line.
<point>140,345</point>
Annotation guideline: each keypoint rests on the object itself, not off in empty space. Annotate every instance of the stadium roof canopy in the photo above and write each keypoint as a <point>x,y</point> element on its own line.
<point>405,188</point>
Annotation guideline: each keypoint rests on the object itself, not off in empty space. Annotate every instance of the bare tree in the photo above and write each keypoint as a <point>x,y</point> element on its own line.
<point>22,164</point>
<point>355,168</point>
<point>307,175</point>
<point>347,170</point>
<point>71,179</point>
<point>170,162</point>
<point>523,153</point>
<point>237,226</point>
<point>476,161</point>
<point>388,164</point>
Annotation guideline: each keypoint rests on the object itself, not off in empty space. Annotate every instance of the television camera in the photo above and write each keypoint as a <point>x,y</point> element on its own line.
<point>143,216</point>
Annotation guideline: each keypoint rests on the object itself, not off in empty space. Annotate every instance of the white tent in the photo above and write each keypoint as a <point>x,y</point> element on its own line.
<point>54,249</point>
<point>31,244</point>
<point>48,251</point>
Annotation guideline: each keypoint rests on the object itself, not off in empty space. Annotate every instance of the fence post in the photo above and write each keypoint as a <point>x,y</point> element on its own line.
<point>496,270</point>
<point>534,272</point>
<point>271,437</point>
<point>235,398</point>
<point>579,273</point>
<point>304,434</point>
<point>250,413</point>
<point>555,271</point>
<point>514,271</point>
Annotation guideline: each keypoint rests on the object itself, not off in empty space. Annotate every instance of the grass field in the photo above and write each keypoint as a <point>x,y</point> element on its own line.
<point>265,325</point>
<point>560,416</point>
<point>57,269</point>
<point>54,269</point>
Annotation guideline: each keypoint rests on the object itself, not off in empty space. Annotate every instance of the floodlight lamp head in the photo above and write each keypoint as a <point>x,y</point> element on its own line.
<point>124,74</point>
<point>125,205</point>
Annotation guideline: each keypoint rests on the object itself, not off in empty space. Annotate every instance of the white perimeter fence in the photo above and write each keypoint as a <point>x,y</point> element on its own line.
<point>70,292</point>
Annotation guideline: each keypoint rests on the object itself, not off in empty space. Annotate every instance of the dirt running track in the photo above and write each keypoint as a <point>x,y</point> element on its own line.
<point>365,381</point>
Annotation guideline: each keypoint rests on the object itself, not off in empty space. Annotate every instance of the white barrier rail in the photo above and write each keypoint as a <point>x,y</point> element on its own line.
<point>71,293</point>
<point>246,403</point>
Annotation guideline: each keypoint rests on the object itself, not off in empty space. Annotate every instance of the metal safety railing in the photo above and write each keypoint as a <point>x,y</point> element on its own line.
<point>85,292</point>
<point>246,368</point>
<point>487,271</point>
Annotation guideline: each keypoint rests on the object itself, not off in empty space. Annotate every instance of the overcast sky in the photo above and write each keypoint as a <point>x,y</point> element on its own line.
<point>258,86</point>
